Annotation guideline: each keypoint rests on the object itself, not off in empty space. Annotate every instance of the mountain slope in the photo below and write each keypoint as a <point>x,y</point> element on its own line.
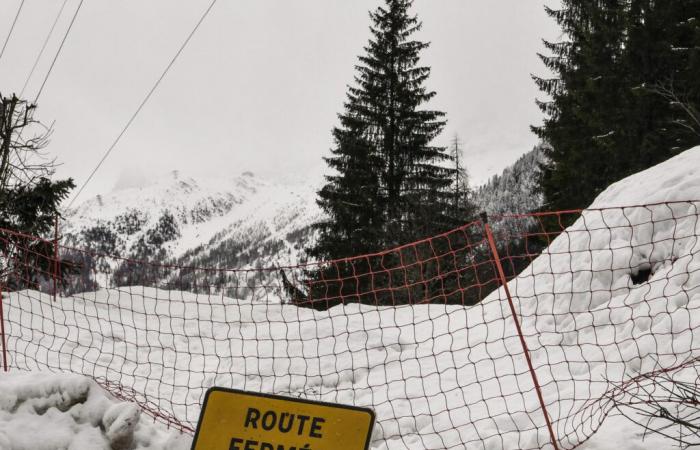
<point>239,222</point>
<point>514,190</point>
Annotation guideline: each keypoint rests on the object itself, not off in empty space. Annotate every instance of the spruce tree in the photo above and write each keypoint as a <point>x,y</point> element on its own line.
<point>605,118</point>
<point>661,53</point>
<point>463,197</point>
<point>351,198</point>
<point>583,116</point>
<point>686,85</point>
<point>392,185</point>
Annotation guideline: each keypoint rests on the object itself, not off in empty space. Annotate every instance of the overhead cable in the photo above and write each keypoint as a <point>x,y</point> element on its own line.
<point>143,102</point>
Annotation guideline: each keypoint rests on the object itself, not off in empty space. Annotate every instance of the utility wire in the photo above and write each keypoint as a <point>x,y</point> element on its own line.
<point>14,22</point>
<point>58,52</point>
<point>43,47</point>
<point>143,102</point>
<point>55,58</point>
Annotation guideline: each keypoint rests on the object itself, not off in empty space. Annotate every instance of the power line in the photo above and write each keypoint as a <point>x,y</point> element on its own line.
<point>143,102</point>
<point>55,58</point>
<point>58,52</point>
<point>14,22</point>
<point>43,47</point>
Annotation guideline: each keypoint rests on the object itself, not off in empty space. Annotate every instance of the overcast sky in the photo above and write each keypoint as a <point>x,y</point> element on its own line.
<point>259,86</point>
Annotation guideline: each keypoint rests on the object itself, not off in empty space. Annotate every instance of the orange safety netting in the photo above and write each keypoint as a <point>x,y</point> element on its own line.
<point>424,333</point>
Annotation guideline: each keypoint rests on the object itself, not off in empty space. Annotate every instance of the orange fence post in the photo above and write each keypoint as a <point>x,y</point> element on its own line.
<point>504,283</point>
<point>55,258</point>
<point>2,333</point>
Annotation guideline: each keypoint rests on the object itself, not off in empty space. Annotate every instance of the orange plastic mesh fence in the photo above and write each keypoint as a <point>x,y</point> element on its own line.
<point>421,333</point>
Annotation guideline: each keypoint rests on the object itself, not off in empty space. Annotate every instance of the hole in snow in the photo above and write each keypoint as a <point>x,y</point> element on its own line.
<point>641,276</point>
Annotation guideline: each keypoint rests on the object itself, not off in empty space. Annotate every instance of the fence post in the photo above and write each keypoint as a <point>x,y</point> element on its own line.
<point>2,332</point>
<point>504,283</point>
<point>55,258</point>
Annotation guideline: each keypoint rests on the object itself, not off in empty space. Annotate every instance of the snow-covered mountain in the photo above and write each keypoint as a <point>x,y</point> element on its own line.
<point>242,221</point>
<point>513,191</point>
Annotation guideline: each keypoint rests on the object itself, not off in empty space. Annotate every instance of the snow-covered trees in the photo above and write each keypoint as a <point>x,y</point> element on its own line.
<point>515,189</point>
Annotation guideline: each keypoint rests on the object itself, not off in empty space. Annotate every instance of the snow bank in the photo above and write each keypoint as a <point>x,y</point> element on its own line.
<point>70,412</point>
<point>438,377</point>
<point>677,179</point>
<point>588,324</point>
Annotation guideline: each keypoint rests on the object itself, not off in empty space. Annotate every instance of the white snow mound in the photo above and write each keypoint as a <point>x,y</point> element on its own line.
<point>70,412</point>
<point>587,323</point>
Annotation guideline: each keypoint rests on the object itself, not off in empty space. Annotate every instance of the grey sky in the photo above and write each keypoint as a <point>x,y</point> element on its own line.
<point>260,84</point>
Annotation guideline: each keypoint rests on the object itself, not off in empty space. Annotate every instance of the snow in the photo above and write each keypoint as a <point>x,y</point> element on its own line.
<point>437,376</point>
<point>610,327</point>
<point>204,209</point>
<point>64,411</point>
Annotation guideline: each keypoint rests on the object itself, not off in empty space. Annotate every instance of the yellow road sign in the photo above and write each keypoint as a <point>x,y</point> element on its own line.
<point>239,420</point>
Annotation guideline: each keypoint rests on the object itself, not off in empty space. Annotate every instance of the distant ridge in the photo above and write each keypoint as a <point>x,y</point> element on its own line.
<point>514,191</point>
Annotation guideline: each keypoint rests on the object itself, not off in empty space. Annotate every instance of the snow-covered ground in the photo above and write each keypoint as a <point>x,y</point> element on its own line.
<point>70,412</point>
<point>438,377</point>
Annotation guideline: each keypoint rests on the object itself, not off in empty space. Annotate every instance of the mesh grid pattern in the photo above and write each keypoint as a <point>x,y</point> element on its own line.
<point>421,333</point>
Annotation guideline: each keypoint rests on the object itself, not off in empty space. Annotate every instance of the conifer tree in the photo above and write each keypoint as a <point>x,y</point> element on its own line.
<point>611,111</point>
<point>464,205</point>
<point>29,198</point>
<point>661,53</point>
<point>392,185</point>
<point>460,171</point>
<point>583,124</point>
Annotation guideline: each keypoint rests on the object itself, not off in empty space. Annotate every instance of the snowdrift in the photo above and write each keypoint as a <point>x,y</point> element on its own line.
<point>437,376</point>
<point>70,412</point>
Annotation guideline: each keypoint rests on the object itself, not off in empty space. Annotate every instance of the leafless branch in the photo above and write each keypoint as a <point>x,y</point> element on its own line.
<point>678,100</point>
<point>22,140</point>
<point>664,402</point>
